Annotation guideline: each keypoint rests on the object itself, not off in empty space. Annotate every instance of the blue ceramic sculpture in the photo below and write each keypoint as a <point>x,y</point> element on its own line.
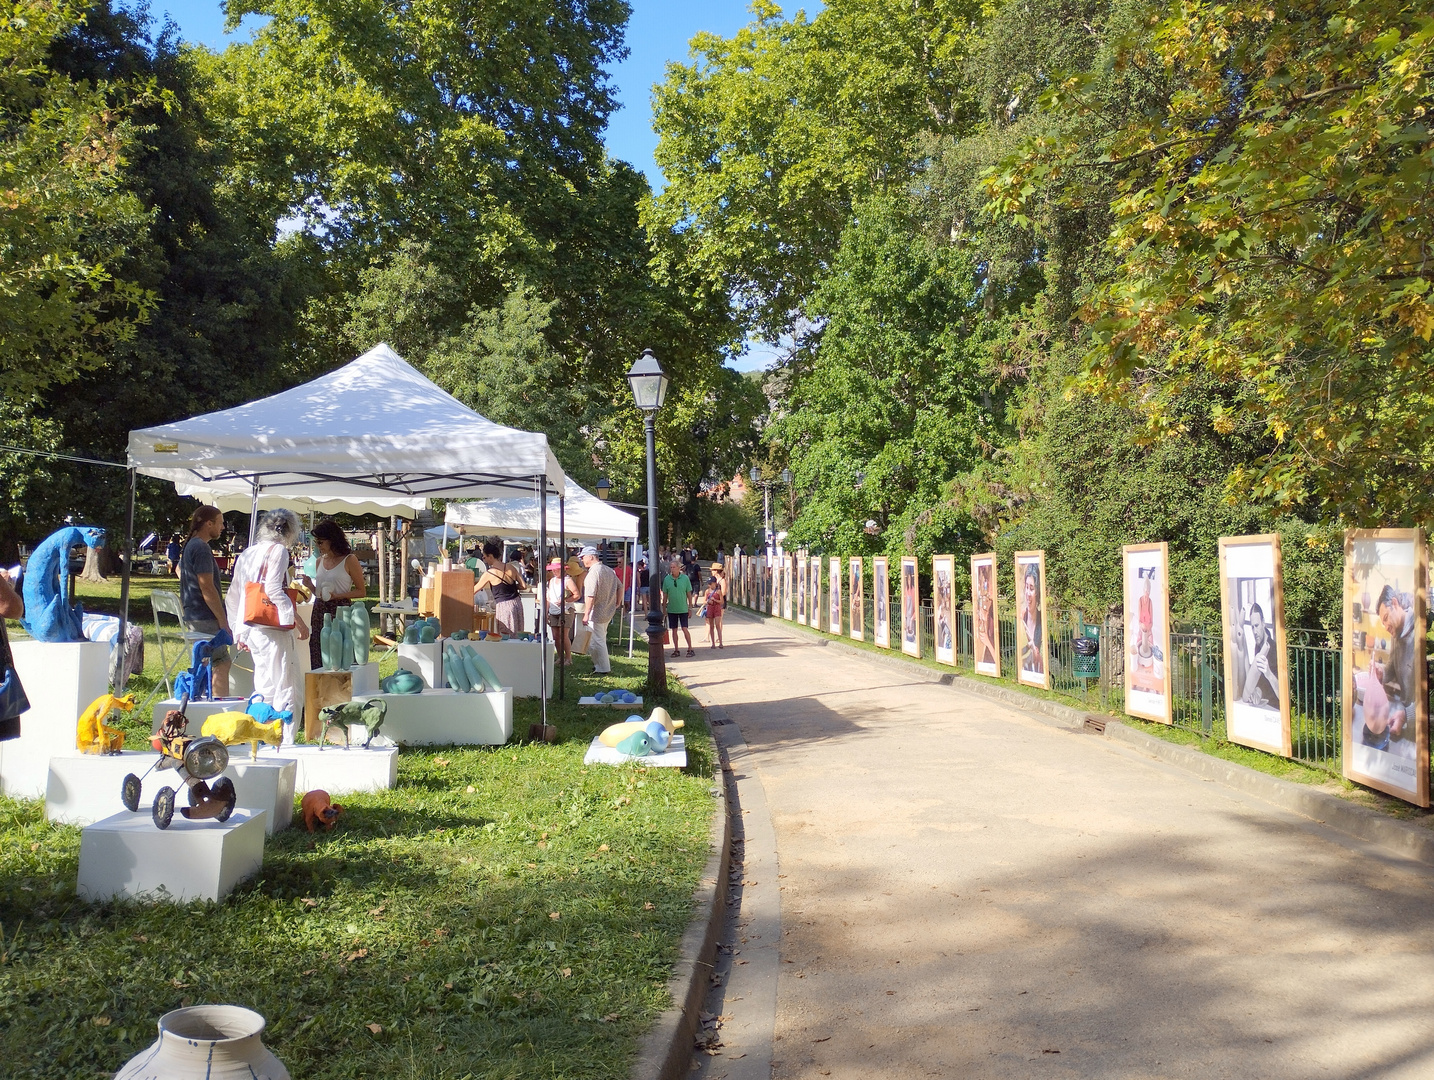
<point>402,682</point>
<point>49,615</point>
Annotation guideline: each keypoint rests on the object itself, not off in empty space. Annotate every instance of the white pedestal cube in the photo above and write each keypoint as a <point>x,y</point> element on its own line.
<point>197,712</point>
<point>516,664</point>
<point>425,661</point>
<point>126,856</point>
<point>60,679</point>
<point>365,677</point>
<point>336,770</point>
<point>85,788</point>
<point>441,717</point>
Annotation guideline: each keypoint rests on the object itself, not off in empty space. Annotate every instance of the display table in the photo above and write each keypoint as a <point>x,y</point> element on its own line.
<point>126,856</point>
<point>516,664</point>
<point>60,679</point>
<point>443,717</point>
<point>337,770</point>
<point>85,788</point>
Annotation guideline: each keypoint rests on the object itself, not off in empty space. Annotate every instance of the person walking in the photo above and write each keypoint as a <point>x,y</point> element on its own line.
<point>713,602</point>
<point>601,596</point>
<point>199,595</point>
<point>337,581</point>
<point>266,563</point>
<point>676,589</point>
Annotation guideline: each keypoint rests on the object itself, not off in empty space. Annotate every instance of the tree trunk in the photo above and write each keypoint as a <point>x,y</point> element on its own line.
<point>91,572</point>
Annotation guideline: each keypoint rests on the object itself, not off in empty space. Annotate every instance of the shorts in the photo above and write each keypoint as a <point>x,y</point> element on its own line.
<point>221,655</point>
<point>676,619</point>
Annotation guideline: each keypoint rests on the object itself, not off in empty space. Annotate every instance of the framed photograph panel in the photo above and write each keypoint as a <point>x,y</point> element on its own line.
<point>1386,692</point>
<point>1257,676</point>
<point>834,594</point>
<point>943,607</point>
<point>910,608</point>
<point>1146,569</point>
<point>1033,657</point>
<point>802,582</point>
<point>815,615</point>
<point>787,575</point>
<point>881,602</point>
<point>985,615</point>
<point>856,602</point>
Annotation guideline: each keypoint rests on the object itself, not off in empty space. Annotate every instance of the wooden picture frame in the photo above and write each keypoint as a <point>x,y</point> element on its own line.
<point>1033,639</point>
<point>910,607</point>
<point>787,583</point>
<point>1145,575</point>
<point>856,600</point>
<point>801,572</point>
<point>1386,572</point>
<point>881,601</point>
<point>814,592</point>
<point>943,608</point>
<point>985,615</point>
<point>1252,630</point>
<point>834,594</point>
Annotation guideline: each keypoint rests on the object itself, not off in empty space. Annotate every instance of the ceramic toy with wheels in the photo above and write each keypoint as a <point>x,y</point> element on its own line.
<point>195,761</point>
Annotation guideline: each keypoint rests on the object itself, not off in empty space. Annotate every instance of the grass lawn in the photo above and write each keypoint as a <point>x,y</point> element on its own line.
<point>502,912</point>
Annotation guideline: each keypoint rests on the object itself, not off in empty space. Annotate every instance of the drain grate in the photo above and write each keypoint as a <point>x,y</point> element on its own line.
<point>1095,725</point>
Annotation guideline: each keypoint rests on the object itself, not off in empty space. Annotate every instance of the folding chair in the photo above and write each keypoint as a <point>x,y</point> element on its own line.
<point>166,602</point>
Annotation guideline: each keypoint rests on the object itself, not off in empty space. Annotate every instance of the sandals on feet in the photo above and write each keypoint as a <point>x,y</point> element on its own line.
<point>691,652</point>
<point>676,653</point>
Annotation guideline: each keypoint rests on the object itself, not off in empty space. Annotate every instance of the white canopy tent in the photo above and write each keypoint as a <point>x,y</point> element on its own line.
<point>586,517</point>
<point>243,502</point>
<point>375,429</point>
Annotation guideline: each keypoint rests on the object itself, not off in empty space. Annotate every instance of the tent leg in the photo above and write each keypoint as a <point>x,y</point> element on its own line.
<point>122,640</point>
<point>542,605</point>
<point>563,600</point>
<point>632,604</point>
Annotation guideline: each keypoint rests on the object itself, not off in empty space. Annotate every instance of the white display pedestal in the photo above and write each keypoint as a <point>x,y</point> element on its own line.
<point>441,717</point>
<point>425,661</point>
<point>336,770</point>
<point>126,856</point>
<point>516,664</point>
<point>60,679</point>
<point>197,712</point>
<point>85,788</point>
<point>365,677</point>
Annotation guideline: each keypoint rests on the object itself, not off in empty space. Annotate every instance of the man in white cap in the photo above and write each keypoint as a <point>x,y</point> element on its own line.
<point>601,594</point>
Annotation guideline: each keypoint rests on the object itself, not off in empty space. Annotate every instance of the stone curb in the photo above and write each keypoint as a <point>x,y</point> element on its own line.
<point>665,1052</point>
<point>1394,836</point>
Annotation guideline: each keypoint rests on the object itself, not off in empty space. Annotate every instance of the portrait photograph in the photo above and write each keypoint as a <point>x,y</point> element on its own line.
<point>910,622</point>
<point>834,594</point>
<point>1147,631</point>
<point>881,601</point>
<point>943,607</point>
<point>787,575</point>
<point>1386,697</point>
<point>985,624</point>
<point>802,582</point>
<point>855,601</point>
<point>1032,641</point>
<point>815,615</point>
<point>1257,695</point>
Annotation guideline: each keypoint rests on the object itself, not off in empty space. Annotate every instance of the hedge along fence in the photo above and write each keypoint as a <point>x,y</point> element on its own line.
<point>1196,666</point>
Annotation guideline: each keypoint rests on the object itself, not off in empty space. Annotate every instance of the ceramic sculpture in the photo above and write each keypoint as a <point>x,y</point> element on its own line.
<point>319,811</point>
<point>663,717</point>
<point>458,635</point>
<point>637,737</point>
<point>92,735</point>
<point>455,671</point>
<point>361,631</point>
<point>195,762</point>
<point>402,682</point>
<point>411,632</point>
<point>49,614</point>
<point>220,1042</point>
<point>370,714</point>
<point>326,643</point>
<point>233,728</point>
<point>428,635</point>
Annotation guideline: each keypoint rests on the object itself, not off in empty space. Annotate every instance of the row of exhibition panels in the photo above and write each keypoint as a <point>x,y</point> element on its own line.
<point>1384,691</point>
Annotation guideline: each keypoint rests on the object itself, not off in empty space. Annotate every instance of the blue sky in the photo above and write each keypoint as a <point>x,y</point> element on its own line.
<point>657,33</point>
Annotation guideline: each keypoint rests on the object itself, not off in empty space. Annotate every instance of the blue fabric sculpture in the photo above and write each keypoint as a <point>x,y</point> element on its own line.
<point>49,615</point>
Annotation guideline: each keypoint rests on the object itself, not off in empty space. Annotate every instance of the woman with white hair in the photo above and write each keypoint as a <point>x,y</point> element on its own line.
<point>266,562</point>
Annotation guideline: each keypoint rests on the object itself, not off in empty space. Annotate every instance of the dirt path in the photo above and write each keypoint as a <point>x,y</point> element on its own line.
<point>968,892</point>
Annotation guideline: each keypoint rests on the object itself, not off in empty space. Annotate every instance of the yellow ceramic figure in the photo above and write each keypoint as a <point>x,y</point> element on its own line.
<point>92,735</point>
<point>232,728</point>
<point>613,735</point>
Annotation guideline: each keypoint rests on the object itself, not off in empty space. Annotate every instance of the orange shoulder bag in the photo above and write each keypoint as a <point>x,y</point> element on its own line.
<point>259,608</point>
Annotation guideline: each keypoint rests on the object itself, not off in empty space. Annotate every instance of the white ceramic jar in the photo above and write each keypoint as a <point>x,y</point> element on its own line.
<point>218,1042</point>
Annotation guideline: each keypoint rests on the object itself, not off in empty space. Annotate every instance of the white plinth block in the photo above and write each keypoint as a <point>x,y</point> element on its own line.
<point>197,712</point>
<point>267,784</point>
<point>425,661</point>
<point>125,855</point>
<point>336,770</point>
<point>60,679</point>
<point>516,664</point>
<point>365,677</point>
<point>441,717</point>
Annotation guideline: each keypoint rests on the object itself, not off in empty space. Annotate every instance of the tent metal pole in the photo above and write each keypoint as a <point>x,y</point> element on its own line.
<point>127,554</point>
<point>632,603</point>
<point>563,592</point>
<point>254,514</point>
<point>542,596</point>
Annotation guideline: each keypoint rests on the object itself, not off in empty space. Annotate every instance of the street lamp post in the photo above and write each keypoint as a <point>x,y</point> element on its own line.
<point>649,390</point>
<point>766,486</point>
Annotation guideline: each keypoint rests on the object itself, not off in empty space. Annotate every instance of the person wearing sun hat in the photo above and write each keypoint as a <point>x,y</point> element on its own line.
<point>562,591</point>
<point>713,601</point>
<point>601,595</point>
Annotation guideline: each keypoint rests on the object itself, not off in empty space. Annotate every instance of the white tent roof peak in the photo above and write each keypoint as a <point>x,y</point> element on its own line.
<point>375,428</point>
<point>585,517</point>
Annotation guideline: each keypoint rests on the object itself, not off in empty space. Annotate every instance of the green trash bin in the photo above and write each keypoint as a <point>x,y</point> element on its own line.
<point>1086,657</point>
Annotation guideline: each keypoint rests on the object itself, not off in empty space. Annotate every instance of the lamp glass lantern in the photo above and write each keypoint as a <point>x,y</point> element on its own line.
<point>648,382</point>
<point>604,489</point>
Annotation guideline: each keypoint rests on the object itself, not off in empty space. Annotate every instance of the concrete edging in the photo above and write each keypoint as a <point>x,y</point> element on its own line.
<point>1394,836</point>
<point>665,1052</point>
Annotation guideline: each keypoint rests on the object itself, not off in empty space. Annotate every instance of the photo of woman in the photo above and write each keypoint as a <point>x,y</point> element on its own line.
<point>984,623</point>
<point>801,572</point>
<point>1386,696</point>
<point>787,587</point>
<point>814,615</point>
<point>880,601</point>
<point>856,601</point>
<point>1257,709</point>
<point>910,624</point>
<point>1031,642</point>
<point>1147,631</point>
<point>834,595</point>
<point>943,611</point>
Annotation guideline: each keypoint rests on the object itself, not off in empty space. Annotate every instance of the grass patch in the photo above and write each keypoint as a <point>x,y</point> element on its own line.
<point>502,912</point>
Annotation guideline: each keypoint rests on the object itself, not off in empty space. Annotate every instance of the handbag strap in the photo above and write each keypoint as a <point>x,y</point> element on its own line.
<point>6,660</point>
